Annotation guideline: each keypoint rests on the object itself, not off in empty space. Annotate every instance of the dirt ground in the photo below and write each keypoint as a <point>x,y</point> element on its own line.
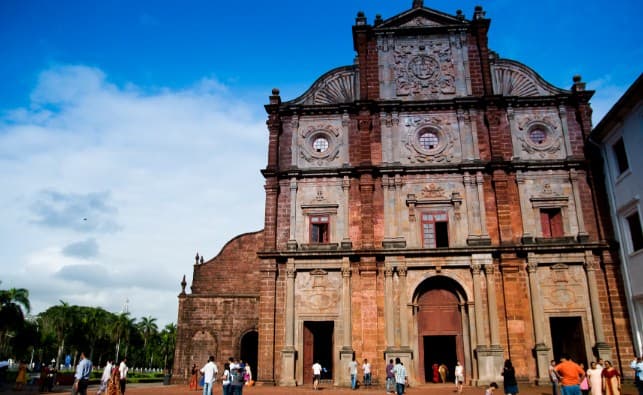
<point>433,389</point>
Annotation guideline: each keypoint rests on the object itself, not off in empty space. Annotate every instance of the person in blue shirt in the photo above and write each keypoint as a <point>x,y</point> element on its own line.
<point>637,365</point>
<point>83,370</point>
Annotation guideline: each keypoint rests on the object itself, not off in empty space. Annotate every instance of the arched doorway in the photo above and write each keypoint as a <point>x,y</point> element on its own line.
<point>249,350</point>
<point>440,326</point>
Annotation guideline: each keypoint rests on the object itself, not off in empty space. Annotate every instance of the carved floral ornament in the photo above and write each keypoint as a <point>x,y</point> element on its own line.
<point>320,144</point>
<point>424,69</point>
<point>428,140</point>
<point>540,136</point>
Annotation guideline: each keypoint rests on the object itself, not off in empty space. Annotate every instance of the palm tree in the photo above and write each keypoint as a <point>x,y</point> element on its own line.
<point>58,320</point>
<point>12,317</point>
<point>148,328</point>
<point>168,341</point>
<point>121,329</point>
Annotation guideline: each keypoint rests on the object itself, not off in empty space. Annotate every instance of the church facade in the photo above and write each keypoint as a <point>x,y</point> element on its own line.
<point>430,202</point>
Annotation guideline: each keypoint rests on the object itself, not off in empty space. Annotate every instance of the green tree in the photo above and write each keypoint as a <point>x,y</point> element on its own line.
<point>12,316</point>
<point>168,343</point>
<point>58,319</point>
<point>147,328</point>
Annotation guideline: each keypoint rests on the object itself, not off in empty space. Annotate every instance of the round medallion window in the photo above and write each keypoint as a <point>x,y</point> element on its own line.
<point>320,144</point>
<point>428,140</point>
<point>537,136</point>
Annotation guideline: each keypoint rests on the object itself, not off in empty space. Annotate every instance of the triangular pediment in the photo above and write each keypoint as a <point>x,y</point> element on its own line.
<point>419,18</point>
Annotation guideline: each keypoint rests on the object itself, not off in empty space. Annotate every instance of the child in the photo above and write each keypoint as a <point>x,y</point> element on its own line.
<point>492,387</point>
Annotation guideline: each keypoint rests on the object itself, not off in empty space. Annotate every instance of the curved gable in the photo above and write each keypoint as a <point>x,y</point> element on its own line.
<point>511,78</point>
<point>336,86</point>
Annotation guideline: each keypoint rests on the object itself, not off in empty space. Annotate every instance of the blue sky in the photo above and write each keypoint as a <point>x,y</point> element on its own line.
<point>132,132</point>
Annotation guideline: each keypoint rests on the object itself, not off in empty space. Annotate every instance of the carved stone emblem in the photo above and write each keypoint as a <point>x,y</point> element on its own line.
<point>424,69</point>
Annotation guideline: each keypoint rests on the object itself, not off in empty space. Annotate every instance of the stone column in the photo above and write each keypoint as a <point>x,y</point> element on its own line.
<point>483,212</point>
<point>404,309</point>
<point>292,240</point>
<point>346,240</point>
<point>388,305</point>
<point>602,348</point>
<point>477,299</point>
<point>538,316</point>
<point>493,306</point>
<point>346,352</point>
<point>473,205</point>
<point>582,232</point>
<point>288,353</point>
<point>525,209</point>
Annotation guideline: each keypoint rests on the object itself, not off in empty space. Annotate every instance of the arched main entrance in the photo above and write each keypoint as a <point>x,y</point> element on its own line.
<point>440,326</point>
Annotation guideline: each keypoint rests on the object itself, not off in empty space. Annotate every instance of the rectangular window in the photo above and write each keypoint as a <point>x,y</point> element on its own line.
<point>621,156</point>
<point>636,234</point>
<point>319,228</point>
<point>551,221</point>
<point>435,230</point>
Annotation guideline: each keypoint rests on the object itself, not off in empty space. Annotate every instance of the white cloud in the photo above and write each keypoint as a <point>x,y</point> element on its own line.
<point>607,94</point>
<point>168,172</point>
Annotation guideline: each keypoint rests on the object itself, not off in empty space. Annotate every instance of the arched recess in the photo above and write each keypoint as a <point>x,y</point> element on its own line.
<point>442,322</point>
<point>202,345</point>
<point>249,350</point>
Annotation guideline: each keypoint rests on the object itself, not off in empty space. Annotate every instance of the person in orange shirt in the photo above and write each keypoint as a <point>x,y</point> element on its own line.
<point>570,374</point>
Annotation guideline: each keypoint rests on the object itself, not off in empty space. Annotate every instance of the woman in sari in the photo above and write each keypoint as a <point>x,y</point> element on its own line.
<point>611,380</point>
<point>193,378</point>
<point>21,377</point>
<point>114,386</point>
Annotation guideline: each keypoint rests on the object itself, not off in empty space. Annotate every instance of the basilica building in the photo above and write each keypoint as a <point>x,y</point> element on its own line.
<point>433,202</point>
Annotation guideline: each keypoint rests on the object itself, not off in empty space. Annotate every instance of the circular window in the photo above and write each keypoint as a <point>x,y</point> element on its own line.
<point>320,144</point>
<point>428,140</point>
<point>537,136</point>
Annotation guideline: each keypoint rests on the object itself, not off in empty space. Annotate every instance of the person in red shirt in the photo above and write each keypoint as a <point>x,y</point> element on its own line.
<point>570,374</point>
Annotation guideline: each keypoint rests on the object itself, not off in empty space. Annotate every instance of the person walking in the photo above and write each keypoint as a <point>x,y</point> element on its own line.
<point>390,377</point>
<point>570,374</point>
<point>637,365</point>
<point>553,377</point>
<point>122,371</point>
<point>83,370</point>
<point>459,377</point>
<point>400,376</point>
<point>509,373</point>
<point>611,380</point>
<point>317,369</point>
<point>352,371</point>
<point>104,380</point>
<point>209,371</point>
<point>366,368</point>
<point>595,379</point>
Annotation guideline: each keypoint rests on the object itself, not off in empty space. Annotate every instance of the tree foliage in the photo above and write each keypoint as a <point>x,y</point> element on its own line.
<point>66,329</point>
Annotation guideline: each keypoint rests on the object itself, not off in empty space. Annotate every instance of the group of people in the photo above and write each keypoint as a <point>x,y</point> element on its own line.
<point>571,378</point>
<point>236,374</point>
<point>114,378</point>
<point>366,369</point>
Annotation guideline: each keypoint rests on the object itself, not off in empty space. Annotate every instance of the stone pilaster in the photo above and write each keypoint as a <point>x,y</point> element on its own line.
<point>288,354</point>
<point>602,349</point>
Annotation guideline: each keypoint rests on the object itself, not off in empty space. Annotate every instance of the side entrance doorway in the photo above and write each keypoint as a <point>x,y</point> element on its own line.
<point>567,337</point>
<point>249,351</point>
<point>318,346</point>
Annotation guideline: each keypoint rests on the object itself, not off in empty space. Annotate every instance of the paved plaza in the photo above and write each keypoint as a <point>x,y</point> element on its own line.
<point>433,389</point>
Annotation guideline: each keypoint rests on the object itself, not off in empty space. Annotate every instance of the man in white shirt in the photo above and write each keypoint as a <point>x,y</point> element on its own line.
<point>400,376</point>
<point>317,369</point>
<point>366,367</point>
<point>352,370</point>
<point>122,370</point>
<point>209,371</point>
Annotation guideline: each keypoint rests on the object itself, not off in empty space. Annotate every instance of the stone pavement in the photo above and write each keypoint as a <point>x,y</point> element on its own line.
<point>432,389</point>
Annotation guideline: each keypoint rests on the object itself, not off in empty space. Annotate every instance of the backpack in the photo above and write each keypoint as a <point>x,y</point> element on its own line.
<point>237,376</point>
